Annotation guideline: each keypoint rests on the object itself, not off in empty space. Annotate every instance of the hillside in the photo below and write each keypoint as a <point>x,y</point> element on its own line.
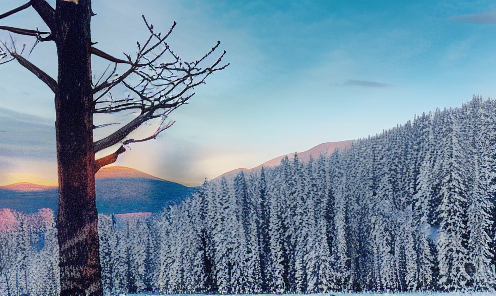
<point>324,148</point>
<point>122,172</point>
<point>27,187</point>
<point>119,190</point>
<point>406,210</point>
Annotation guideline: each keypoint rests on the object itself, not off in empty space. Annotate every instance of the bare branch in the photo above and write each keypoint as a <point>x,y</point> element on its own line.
<point>102,86</point>
<point>105,72</point>
<point>22,7</point>
<point>109,159</point>
<point>52,84</point>
<point>46,12</point>
<point>27,32</point>
<point>48,38</point>
<point>158,82</point>
<point>143,50</point>
<point>152,137</point>
<point>106,56</point>
<point>121,133</point>
<point>109,85</point>
<point>6,56</point>
<point>5,62</point>
<point>104,125</point>
<point>118,108</point>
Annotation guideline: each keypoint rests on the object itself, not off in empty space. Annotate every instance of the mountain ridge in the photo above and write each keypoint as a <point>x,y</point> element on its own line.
<point>112,172</point>
<point>314,152</point>
<point>122,172</point>
<point>119,190</point>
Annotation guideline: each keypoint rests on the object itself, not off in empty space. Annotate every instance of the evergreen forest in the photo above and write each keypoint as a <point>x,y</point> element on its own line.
<point>409,209</point>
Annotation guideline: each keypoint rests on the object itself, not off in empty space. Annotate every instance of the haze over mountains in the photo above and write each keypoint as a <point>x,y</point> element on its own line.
<point>125,190</point>
<point>119,190</point>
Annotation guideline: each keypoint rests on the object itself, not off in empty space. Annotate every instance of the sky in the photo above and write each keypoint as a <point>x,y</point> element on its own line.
<point>301,73</point>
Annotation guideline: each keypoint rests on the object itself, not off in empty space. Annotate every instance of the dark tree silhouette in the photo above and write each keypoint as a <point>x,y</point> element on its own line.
<point>157,83</point>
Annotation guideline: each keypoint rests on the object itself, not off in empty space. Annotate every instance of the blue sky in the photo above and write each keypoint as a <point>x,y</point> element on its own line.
<point>302,73</point>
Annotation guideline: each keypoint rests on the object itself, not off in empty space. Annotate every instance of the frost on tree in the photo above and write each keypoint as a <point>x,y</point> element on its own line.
<point>411,209</point>
<point>156,82</point>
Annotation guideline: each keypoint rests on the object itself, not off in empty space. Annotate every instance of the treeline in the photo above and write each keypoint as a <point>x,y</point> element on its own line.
<point>411,209</point>
<point>28,253</point>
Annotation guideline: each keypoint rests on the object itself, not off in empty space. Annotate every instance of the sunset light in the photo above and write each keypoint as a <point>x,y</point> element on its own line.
<point>39,179</point>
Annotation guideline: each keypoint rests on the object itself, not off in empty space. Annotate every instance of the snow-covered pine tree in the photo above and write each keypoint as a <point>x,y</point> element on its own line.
<point>192,259</point>
<point>198,217</point>
<point>366,206</point>
<point>139,245</point>
<point>176,265</point>
<point>105,233</point>
<point>263,230</point>
<point>340,246</point>
<point>224,239</point>
<point>385,227</point>
<point>311,244</point>
<point>22,255</point>
<point>324,277</point>
<point>253,265</point>
<point>165,255</point>
<point>480,204</point>
<point>213,230</point>
<point>277,257</point>
<point>422,196</point>
<point>301,222</point>
<point>402,199</point>
<point>452,250</point>
<point>410,254</point>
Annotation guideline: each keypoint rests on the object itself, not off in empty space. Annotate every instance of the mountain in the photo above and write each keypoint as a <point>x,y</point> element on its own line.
<point>125,190</point>
<point>324,148</point>
<point>27,187</point>
<point>27,198</point>
<point>119,190</point>
<point>122,172</point>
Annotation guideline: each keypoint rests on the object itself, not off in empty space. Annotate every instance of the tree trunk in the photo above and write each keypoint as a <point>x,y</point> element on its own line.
<point>77,223</point>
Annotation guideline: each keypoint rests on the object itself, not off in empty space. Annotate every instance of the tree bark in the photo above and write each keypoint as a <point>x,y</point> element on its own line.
<point>77,222</point>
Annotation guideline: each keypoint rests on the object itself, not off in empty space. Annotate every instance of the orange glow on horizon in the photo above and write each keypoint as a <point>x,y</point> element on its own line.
<point>14,177</point>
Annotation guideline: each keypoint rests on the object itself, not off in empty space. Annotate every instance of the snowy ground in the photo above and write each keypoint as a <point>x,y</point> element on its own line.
<point>338,294</point>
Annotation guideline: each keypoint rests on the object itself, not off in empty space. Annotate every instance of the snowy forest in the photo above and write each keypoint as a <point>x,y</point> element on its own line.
<point>410,209</point>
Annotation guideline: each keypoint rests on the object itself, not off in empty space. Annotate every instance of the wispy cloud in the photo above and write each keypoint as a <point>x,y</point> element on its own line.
<point>27,149</point>
<point>365,83</point>
<point>24,117</point>
<point>26,136</point>
<point>476,18</point>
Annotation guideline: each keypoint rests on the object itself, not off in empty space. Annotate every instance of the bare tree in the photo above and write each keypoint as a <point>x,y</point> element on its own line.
<point>157,82</point>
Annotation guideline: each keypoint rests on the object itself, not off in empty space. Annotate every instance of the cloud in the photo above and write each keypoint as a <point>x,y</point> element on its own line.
<point>476,18</point>
<point>365,83</point>
<point>25,136</point>
<point>27,148</point>
<point>24,117</point>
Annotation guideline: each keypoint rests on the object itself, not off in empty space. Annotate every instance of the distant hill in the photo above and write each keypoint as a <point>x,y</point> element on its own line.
<point>130,195</point>
<point>325,148</point>
<point>27,187</point>
<point>119,190</point>
<point>122,172</point>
